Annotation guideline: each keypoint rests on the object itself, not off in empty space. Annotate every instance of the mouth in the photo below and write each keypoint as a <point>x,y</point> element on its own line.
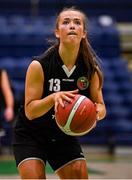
<point>72,33</point>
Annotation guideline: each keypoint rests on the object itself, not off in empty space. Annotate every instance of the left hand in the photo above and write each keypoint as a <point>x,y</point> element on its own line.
<point>97,111</point>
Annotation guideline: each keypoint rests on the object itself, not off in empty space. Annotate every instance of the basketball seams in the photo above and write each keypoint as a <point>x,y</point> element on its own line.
<point>71,116</point>
<point>72,113</point>
<point>83,133</point>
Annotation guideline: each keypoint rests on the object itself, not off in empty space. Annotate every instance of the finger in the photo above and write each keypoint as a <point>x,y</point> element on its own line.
<point>96,106</point>
<point>56,106</point>
<point>67,98</point>
<point>97,116</point>
<point>75,91</point>
<point>61,102</point>
<point>97,111</point>
<point>69,95</point>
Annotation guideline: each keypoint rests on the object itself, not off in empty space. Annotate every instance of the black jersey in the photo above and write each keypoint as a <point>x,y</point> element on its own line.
<point>56,78</point>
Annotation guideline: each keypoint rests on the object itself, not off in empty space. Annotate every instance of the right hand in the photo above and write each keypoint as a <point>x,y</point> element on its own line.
<point>62,96</point>
<point>9,114</point>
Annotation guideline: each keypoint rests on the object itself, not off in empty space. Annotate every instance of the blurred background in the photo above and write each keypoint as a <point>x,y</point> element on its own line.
<point>25,27</point>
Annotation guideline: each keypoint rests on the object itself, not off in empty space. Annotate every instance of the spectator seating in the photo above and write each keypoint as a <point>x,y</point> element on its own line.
<point>117,87</point>
<point>21,38</point>
<point>16,69</point>
<point>119,10</point>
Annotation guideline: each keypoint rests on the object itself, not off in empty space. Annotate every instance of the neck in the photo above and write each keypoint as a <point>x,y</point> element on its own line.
<point>68,55</point>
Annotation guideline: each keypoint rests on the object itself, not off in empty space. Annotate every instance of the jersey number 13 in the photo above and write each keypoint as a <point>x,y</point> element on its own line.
<point>54,85</point>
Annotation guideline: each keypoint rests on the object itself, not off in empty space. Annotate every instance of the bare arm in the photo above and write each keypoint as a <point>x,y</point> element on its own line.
<point>97,97</point>
<point>35,105</point>
<point>8,96</point>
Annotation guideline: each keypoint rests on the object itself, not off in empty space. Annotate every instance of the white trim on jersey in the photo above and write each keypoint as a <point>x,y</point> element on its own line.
<point>68,73</point>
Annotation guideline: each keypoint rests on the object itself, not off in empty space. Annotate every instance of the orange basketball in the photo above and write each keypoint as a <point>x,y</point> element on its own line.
<point>78,117</point>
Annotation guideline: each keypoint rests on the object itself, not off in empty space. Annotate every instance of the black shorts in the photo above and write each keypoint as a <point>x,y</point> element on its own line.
<point>45,142</point>
<point>57,153</point>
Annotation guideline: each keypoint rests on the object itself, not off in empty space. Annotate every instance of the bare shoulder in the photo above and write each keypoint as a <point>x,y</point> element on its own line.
<point>35,70</point>
<point>35,65</point>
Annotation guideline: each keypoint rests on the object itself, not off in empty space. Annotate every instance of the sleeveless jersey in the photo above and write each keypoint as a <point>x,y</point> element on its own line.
<point>56,78</point>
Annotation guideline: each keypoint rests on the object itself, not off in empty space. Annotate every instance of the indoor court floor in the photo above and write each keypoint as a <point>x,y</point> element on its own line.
<point>100,164</point>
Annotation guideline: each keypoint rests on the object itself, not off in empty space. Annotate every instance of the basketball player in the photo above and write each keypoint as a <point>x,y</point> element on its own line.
<point>6,99</point>
<point>67,68</point>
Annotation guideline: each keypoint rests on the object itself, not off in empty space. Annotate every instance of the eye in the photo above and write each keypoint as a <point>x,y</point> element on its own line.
<point>65,22</point>
<point>77,22</point>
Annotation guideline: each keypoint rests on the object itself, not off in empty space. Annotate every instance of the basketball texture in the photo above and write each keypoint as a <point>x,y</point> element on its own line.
<point>78,117</point>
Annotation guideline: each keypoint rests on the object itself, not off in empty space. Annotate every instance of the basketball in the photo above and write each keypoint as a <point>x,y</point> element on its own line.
<point>78,117</point>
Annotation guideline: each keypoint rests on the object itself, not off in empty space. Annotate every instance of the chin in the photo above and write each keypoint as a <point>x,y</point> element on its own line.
<point>73,41</point>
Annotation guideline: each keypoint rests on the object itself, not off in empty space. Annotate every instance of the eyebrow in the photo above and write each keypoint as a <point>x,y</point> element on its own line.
<point>76,19</point>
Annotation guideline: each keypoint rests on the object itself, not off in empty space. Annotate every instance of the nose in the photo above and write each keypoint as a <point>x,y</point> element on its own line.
<point>72,25</point>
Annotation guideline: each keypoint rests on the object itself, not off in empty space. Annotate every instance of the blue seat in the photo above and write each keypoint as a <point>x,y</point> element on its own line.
<point>127,99</point>
<point>119,111</point>
<point>102,125</point>
<point>110,85</point>
<point>124,139</point>
<point>105,38</point>
<point>113,98</point>
<point>94,138</point>
<point>7,63</point>
<point>118,62</point>
<point>125,88</point>
<point>17,20</point>
<point>108,74</point>
<point>15,69</point>
<point>18,88</point>
<point>3,20</point>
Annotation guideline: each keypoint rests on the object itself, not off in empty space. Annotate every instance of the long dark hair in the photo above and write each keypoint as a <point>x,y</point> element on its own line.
<point>90,58</point>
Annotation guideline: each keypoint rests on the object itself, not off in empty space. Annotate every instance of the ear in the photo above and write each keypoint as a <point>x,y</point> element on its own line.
<point>84,34</point>
<point>57,33</point>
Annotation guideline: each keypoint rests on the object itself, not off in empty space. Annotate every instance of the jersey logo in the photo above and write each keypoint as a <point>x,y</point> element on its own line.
<point>82,83</point>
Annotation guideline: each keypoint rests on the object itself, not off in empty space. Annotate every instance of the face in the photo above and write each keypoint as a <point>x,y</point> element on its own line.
<point>70,28</point>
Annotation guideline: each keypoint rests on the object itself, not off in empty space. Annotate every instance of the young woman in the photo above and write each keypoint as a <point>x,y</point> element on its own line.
<point>52,78</point>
